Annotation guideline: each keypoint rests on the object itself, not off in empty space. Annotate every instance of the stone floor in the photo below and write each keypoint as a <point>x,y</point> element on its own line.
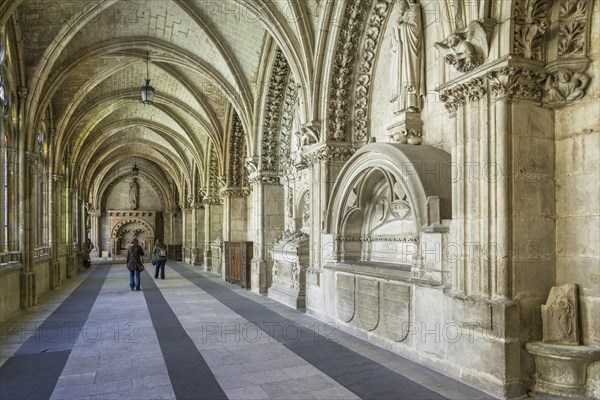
<point>193,336</point>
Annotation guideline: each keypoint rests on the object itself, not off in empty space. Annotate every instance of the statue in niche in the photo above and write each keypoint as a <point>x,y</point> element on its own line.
<point>565,85</point>
<point>559,316</point>
<point>408,58</point>
<point>133,194</point>
<point>465,50</point>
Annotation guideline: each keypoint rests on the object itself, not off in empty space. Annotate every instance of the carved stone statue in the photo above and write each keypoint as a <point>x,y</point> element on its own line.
<point>559,316</point>
<point>465,50</point>
<point>564,86</point>
<point>133,194</point>
<point>408,61</point>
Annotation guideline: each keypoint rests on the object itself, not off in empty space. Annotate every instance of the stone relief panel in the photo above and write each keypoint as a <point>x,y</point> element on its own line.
<point>367,303</point>
<point>344,298</point>
<point>564,86</point>
<point>560,316</point>
<point>395,310</point>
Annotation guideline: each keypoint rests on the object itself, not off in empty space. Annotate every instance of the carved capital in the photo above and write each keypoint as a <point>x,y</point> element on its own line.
<point>328,152</point>
<point>473,90</point>
<point>516,82</point>
<point>235,192</point>
<point>212,201</point>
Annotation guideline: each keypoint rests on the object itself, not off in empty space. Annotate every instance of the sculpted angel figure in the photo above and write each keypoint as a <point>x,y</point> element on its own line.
<point>408,58</point>
<point>564,86</point>
<point>465,51</point>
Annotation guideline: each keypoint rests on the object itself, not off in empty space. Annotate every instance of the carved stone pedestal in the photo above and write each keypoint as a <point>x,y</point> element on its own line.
<point>290,259</point>
<point>405,127</point>
<point>561,369</point>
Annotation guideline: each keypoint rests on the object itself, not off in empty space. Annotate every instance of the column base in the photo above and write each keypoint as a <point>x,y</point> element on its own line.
<point>561,370</point>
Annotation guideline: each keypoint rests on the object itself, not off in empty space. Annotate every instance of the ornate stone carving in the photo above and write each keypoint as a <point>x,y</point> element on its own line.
<point>559,316</point>
<point>287,119</point>
<point>516,81</point>
<point>408,63</point>
<point>370,44</point>
<point>329,153</point>
<point>472,90</point>
<point>564,86</point>
<point>530,26</point>
<point>572,27</point>
<point>273,113</point>
<point>308,134</point>
<point>343,69</point>
<point>237,153</point>
<point>214,179</point>
<point>134,189</point>
<point>465,49</point>
<point>235,192</point>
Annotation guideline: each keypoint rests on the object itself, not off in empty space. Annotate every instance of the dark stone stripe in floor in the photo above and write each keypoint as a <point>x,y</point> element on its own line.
<point>191,377</point>
<point>359,374</point>
<point>32,372</point>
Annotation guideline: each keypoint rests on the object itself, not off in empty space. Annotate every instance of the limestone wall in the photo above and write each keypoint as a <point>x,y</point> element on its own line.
<point>118,198</point>
<point>577,194</point>
<point>10,292</point>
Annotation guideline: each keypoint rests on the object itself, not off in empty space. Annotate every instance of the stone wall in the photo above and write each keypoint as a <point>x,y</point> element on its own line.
<point>118,198</point>
<point>577,194</point>
<point>10,292</point>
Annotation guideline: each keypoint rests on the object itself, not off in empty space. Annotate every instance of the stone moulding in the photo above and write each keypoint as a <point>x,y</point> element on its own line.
<point>370,44</point>
<point>343,68</point>
<point>514,82</point>
<point>328,152</point>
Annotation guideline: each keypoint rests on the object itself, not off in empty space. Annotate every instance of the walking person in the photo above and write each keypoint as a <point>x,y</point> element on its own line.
<point>134,263</point>
<point>159,258</point>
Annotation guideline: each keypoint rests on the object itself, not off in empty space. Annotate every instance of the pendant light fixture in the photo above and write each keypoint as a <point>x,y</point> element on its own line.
<point>146,90</point>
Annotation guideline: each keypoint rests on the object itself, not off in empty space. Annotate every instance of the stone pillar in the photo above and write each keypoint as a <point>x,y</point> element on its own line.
<point>268,225</point>
<point>213,226</point>
<point>95,215</point>
<point>235,216</point>
<point>197,213</point>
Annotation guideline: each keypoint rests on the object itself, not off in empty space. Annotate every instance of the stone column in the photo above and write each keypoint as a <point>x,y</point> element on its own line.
<point>268,225</point>
<point>95,215</point>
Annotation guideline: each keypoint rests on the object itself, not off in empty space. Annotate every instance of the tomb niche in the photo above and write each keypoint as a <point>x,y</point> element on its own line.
<point>388,200</point>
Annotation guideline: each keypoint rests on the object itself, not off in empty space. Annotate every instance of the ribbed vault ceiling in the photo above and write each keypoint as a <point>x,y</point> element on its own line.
<point>84,63</point>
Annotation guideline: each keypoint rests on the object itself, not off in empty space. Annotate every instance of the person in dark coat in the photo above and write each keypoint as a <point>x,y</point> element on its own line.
<point>134,260</point>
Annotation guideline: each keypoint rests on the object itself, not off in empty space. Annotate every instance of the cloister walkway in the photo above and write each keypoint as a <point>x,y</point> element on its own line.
<point>194,336</point>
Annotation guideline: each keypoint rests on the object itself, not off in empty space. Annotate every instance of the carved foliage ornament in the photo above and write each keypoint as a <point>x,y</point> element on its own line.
<point>273,113</point>
<point>516,81</point>
<point>343,68</point>
<point>329,153</point>
<point>530,26</point>
<point>287,120</point>
<point>237,153</point>
<point>379,14</point>
<point>572,27</point>
<point>473,90</point>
